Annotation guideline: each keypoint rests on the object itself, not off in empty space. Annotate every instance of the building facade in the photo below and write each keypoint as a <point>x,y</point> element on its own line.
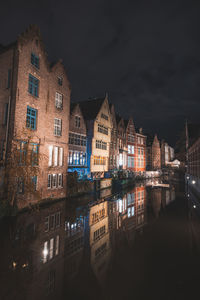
<point>114,141</point>
<point>167,154</point>
<point>122,147</point>
<point>77,157</point>
<point>96,113</point>
<point>131,145</point>
<point>153,153</point>
<point>140,152</point>
<point>34,108</point>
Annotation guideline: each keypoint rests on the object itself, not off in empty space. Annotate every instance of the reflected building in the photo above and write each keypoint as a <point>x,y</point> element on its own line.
<point>34,251</point>
<point>74,245</point>
<point>99,239</point>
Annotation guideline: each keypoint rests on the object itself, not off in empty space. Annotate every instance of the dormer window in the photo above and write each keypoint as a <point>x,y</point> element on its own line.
<point>35,60</point>
<point>60,80</point>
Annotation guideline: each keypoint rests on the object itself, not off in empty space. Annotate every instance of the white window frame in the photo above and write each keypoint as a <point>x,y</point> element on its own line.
<point>49,182</point>
<point>59,100</point>
<point>54,176</point>
<point>60,185</point>
<point>57,127</point>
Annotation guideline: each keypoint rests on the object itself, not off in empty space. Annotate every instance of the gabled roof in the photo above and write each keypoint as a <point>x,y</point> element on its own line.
<point>91,108</point>
<point>118,118</point>
<point>72,106</point>
<point>126,123</point>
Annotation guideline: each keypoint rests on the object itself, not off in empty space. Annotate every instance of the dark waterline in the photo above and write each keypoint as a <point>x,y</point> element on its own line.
<point>140,244</point>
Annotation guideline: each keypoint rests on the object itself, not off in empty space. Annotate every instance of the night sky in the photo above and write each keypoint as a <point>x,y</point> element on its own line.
<point>145,54</point>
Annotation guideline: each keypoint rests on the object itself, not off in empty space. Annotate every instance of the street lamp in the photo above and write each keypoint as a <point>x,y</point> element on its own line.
<point>193,181</point>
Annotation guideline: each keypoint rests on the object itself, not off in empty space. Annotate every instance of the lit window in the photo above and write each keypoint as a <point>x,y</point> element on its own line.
<point>57,127</point>
<point>60,157</point>
<point>33,85</point>
<point>51,248</point>
<point>45,252</point>
<point>55,156</point>
<point>31,118</point>
<point>50,155</point>
<point>35,60</point>
<point>57,245</point>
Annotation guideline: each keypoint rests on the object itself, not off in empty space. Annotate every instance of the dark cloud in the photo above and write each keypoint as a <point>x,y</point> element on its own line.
<point>144,53</point>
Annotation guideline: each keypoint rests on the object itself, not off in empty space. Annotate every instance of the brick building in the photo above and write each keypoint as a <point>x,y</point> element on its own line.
<point>77,157</point>
<point>193,156</point>
<point>153,153</point>
<point>97,116</point>
<point>122,147</point>
<point>167,154</point>
<point>114,141</point>
<point>34,110</point>
<point>140,152</point>
<point>131,144</point>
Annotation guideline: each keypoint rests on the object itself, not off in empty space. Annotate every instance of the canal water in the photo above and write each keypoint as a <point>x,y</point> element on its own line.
<point>142,243</point>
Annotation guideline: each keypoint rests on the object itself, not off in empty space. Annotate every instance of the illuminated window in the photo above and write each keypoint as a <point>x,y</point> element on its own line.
<point>33,85</point>
<point>57,245</point>
<point>50,155</point>
<point>51,248</point>
<point>58,100</point>
<point>60,157</point>
<point>55,156</point>
<point>31,118</point>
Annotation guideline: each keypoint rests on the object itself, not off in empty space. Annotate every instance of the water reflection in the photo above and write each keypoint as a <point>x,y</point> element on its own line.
<point>63,248</point>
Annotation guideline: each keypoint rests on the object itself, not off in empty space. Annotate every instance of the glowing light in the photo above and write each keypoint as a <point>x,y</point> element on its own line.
<point>193,181</point>
<point>45,252</point>
<point>14,264</point>
<point>188,195</point>
<point>188,177</point>
<point>24,265</point>
<point>194,206</point>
